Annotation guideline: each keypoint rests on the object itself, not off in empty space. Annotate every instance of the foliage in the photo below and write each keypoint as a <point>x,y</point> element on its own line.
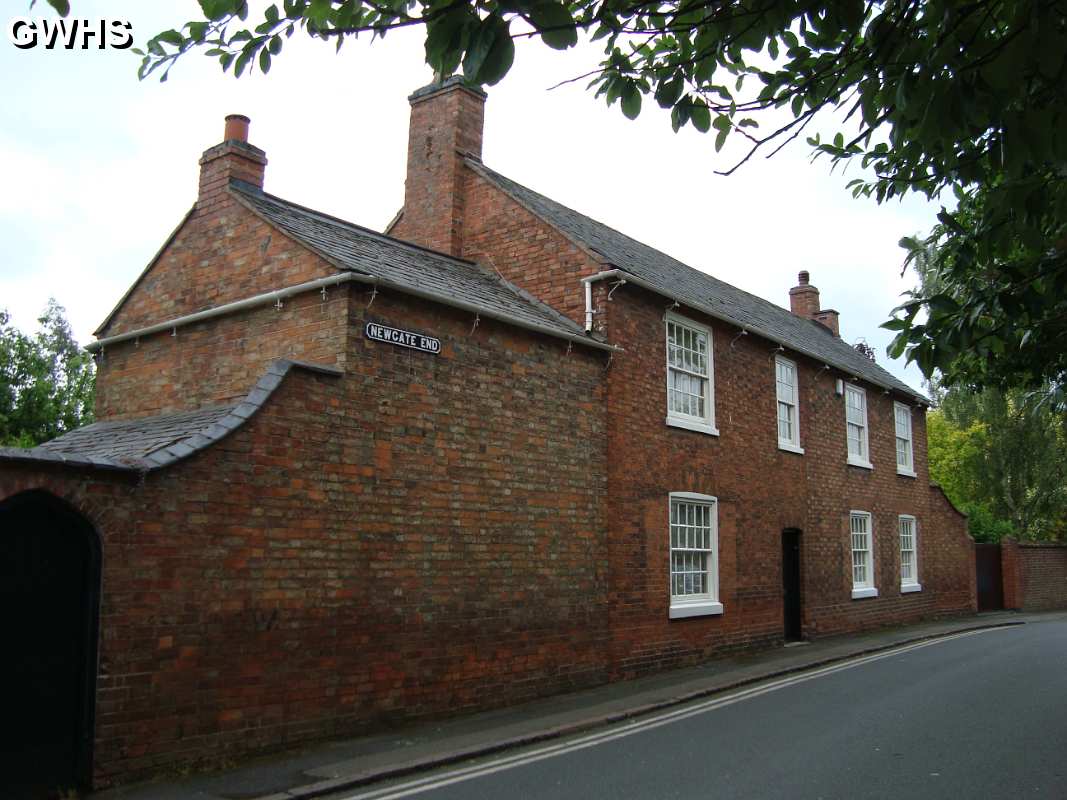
<point>46,380</point>
<point>61,7</point>
<point>1002,459</point>
<point>936,95</point>
<point>984,526</point>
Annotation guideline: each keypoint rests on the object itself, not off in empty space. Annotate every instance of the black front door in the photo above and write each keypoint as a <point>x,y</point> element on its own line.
<point>791,583</point>
<point>49,579</point>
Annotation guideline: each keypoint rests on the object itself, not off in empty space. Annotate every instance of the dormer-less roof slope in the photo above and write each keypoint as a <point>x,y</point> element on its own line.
<point>697,289</point>
<point>408,267</point>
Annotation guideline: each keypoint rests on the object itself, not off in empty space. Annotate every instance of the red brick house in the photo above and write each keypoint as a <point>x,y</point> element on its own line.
<point>342,477</point>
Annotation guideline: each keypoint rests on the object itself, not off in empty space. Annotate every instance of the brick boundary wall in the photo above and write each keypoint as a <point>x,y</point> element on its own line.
<point>1035,575</point>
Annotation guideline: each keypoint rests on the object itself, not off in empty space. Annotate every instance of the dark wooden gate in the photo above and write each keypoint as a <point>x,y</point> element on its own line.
<point>989,579</point>
<point>49,600</point>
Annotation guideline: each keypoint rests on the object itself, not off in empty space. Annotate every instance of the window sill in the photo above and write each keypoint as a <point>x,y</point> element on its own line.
<point>693,425</point>
<point>789,447</point>
<point>859,594</point>
<point>703,608</point>
<point>907,588</point>
<point>907,473</point>
<point>855,462</point>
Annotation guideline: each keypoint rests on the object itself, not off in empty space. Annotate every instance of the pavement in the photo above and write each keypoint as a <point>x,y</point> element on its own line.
<point>328,767</point>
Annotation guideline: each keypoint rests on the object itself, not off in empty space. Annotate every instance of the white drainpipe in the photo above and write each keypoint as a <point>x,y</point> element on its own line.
<point>588,283</point>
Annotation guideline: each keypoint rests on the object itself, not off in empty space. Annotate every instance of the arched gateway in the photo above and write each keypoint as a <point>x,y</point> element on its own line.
<point>49,609</point>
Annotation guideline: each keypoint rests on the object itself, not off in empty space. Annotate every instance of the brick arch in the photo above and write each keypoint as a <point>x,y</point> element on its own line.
<point>73,492</point>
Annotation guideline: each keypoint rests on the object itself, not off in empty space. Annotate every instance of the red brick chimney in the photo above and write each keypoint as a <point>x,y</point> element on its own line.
<point>829,318</point>
<point>233,158</point>
<point>446,125</point>
<point>804,302</point>
<point>804,298</point>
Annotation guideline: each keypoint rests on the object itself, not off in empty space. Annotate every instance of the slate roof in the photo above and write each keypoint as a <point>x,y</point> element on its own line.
<point>406,266</point>
<point>142,445</point>
<point>698,289</point>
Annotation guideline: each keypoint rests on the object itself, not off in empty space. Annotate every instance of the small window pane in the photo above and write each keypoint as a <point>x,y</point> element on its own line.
<point>859,525</point>
<point>786,389</point>
<point>688,372</point>
<point>692,548</point>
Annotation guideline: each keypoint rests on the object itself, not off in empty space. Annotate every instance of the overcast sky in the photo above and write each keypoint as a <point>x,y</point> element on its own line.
<point>98,168</point>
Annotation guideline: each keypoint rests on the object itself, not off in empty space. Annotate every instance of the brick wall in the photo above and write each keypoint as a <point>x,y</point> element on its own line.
<point>222,252</point>
<point>506,237</point>
<point>761,491</point>
<point>218,360</point>
<point>421,536</point>
<point>1035,575</point>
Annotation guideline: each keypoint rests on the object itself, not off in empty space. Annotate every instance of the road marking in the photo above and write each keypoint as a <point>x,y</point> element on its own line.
<point>619,731</point>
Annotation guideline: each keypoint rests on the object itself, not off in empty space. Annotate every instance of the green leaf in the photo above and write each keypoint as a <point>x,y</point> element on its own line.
<point>701,117</point>
<point>264,61</point>
<point>555,24</point>
<point>216,10</point>
<point>170,37</point>
<point>242,61</point>
<point>680,114</point>
<point>720,139</point>
<point>490,53</point>
<point>446,40</point>
<point>631,101</point>
<point>668,91</point>
<point>499,60</point>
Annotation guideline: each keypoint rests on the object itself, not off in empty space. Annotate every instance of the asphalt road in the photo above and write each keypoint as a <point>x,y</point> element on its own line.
<point>976,716</point>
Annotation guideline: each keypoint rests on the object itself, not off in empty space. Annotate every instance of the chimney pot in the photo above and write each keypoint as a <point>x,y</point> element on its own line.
<point>803,277</point>
<point>236,128</point>
<point>232,159</point>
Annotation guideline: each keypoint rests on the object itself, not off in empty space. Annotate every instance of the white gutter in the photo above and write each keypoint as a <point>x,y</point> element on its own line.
<point>626,277</point>
<point>336,280</point>
<point>226,308</point>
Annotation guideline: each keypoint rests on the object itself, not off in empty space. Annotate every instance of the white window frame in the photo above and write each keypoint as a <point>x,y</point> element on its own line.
<point>866,587</point>
<point>908,466</point>
<point>678,419</point>
<point>705,603</point>
<point>791,444</point>
<point>863,459</point>
<point>913,584</point>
